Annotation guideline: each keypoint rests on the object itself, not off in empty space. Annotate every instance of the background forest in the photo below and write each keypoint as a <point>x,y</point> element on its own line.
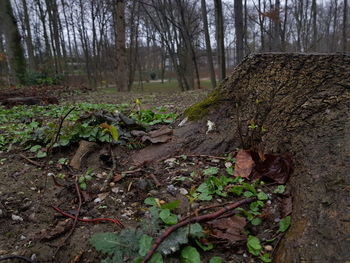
<point>121,42</point>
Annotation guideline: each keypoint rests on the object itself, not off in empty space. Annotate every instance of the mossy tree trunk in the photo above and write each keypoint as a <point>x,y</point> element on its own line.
<point>301,105</point>
<point>17,63</point>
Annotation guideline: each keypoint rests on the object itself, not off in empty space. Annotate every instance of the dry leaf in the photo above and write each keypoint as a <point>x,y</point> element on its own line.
<point>244,164</point>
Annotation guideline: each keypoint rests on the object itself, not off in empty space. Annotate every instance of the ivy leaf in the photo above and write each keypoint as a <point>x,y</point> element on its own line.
<point>171,205</point>
<point>230,170</point>
<point>280,189</point>
<point>190,255</point>
<point>150,201</point>
<point>215,260</point>
<point>145,244</point>
<point>248,194</point>
<point>41,154</point>
<point>266,258</point>
<point>211,171</point>
<point>284,224</point>
<point>253,245</point>
<point>156,258</point>
<point>35,148</point>
<point>83,186</point>
<point>168,217</point>
<point>256,221</point>
<point>262,196</point>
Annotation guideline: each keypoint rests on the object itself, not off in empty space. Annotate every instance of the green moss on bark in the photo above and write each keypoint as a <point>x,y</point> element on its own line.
<point>201,109</point>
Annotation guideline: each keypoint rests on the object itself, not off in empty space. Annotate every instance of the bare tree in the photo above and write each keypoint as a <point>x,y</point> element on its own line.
<point>12,41</point>
<point>239,29</point>
<point>122,75</point>
<point>208,45</point>
<point>219,23</point>
<point>345,23</point>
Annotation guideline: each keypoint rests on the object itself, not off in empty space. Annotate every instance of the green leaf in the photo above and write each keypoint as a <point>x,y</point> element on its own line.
<point>253,245</point>
<point>150,201</point>
<point>88,177</point>
<point>256,205</point>
<point>280,189</point>
<point>256,221</point>
<point>215,260</point>
<point>266,258</point>
<point>262,196</point>
<point>284,224</point>
<point>248,194</point>
<point>35,148</point>
<point>190,255</point>
<point>171,205</point>
<point>211,171</point>
<point>63,161</point>
<point>208,247</point>
<point>145,244</point>
<point>156,258</point>
<point>83,186</point>
<point>105,242</point>
<point>81,179</point>
<point>41,154</point>
<point>114,132</point>
<point>237,190</point>
<point>167,217</point>
<point>230,170</point>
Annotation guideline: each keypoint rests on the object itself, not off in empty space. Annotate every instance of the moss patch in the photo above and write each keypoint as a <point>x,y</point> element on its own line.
<point>201,109</point>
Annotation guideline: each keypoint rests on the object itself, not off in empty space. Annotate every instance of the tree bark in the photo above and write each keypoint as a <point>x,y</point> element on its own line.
<point>13,42</point>
<point>208,45</point>
<point>304,108</point>
<point>121,76</point>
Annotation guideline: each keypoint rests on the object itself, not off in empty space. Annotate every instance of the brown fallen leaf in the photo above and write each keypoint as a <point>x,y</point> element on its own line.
<point>159,139</point>
<point>244,164</point>
<point>275,167</point>
<point>230,229</point>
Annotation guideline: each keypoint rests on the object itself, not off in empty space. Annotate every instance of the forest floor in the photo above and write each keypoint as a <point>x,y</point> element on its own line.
<point>34,188</point>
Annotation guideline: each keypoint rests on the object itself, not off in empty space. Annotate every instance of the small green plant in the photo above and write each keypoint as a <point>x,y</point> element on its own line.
<point>255,248</point>
<point>284,224</point>
<point>213,186</point>
<point>164,211</point>
<point>84,179</point>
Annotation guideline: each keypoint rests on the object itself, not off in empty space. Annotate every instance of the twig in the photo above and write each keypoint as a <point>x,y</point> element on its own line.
<point>75,219</point>
<point>7,257</point>
<point>59,131</point>
<point>154,178</point>
<point>111,172</point>
<point>94,220</point>
<point>31,161</point>
<point>197,219</point>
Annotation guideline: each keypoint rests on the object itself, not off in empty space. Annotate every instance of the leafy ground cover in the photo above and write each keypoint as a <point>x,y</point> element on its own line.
<point>188,208</point>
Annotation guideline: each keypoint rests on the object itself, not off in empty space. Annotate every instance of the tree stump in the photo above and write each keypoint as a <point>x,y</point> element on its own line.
<point>299,104</point>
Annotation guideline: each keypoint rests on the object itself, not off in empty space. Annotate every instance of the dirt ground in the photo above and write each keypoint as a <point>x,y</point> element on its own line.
<point>30,226</point>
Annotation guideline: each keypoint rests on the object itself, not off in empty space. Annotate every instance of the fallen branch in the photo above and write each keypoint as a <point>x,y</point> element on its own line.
<point>197,219</point>
<point>31,161</point>
<point>94,220</point>
<point>154,178</point>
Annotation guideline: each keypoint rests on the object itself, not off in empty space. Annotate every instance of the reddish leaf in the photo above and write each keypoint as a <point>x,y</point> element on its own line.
<point>244,164</point>
<point>230,229</point>
<point>117,177</point>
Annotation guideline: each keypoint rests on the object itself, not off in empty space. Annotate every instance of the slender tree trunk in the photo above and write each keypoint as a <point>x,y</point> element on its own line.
<point>14,48</point>
<point>239,30</point>
<point>208,45</point>
<point>42,17</point>
<point>29,41</point>
<point>345,22</point>
<point>122,76</point>
<point>314,25</point>
<point>219,21</point>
